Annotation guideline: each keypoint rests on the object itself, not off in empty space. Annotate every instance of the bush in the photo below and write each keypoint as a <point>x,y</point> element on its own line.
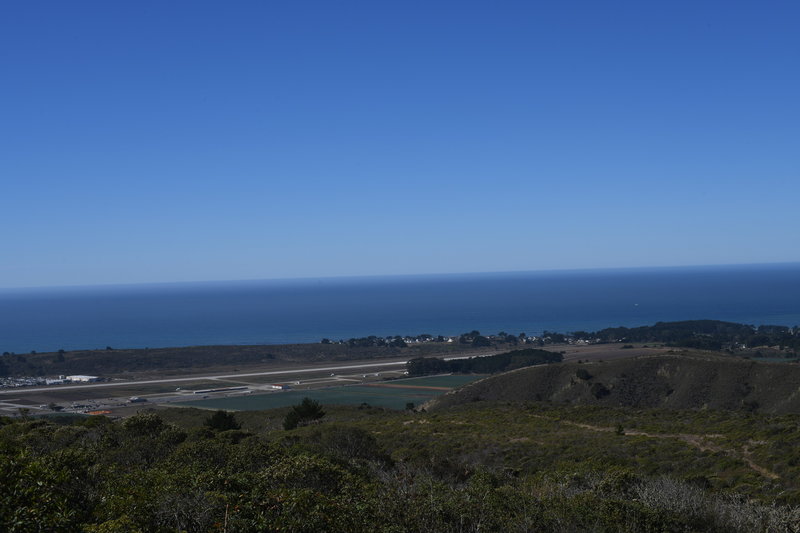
<point>480,340</point>
<point>222,421</point>
<point>599,390</point>
<point>306,411</point>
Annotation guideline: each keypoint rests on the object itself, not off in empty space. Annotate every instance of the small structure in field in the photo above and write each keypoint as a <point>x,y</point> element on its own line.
<point>82,379</point>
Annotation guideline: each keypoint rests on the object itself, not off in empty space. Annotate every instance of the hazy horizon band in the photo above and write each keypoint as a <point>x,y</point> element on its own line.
<point>289,311</point>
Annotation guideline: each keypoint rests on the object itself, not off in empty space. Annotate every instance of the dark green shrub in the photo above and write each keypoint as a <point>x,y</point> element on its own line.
<point>306,411</point>
<point>222,421</point>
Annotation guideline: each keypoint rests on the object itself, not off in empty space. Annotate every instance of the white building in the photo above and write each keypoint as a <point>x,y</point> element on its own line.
<point>82,379</point>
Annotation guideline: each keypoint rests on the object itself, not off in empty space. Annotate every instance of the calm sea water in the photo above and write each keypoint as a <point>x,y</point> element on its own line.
<point>275,312</point>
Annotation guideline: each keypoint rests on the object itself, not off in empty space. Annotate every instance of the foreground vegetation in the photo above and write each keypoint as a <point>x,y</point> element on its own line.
<point>477,467</point>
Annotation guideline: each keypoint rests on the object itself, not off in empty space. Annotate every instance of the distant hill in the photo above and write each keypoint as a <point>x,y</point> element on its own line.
<point>677,381</point>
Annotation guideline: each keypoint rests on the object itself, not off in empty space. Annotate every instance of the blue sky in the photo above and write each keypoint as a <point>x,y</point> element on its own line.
<point>185,141</point>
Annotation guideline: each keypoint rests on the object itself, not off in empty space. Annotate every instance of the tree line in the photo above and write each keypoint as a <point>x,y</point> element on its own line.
<point>701,334</point>
<point>420,366</point>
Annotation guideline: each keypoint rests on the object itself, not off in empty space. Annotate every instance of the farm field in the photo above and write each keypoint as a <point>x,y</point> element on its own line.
<point>394,394</point>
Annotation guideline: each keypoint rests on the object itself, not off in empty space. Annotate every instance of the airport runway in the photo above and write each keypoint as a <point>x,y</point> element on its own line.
<point>300,370</point>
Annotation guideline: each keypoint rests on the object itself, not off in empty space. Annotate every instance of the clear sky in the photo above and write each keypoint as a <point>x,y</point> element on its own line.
<point>184,141</point>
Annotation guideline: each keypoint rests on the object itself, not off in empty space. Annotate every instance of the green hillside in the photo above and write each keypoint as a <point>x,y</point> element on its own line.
<point>680,380</point>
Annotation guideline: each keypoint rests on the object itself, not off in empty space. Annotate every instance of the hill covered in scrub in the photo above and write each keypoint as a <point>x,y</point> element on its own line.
<point>676,381</point>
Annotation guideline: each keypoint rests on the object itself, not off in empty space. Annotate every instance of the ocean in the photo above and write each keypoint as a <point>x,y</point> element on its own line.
<point>293,311</point>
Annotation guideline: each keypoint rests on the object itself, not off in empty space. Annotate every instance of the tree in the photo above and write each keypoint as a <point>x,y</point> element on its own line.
<point>222,421</point>
<point>301,414</point>
<point>30,499</point>
<point>398,342</point>
<point>480,340</point>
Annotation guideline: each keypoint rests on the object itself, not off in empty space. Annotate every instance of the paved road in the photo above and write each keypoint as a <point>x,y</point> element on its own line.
<point>302,370</point>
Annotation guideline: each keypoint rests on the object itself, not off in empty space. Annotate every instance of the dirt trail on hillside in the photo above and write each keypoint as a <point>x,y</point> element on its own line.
<point>701,442</point>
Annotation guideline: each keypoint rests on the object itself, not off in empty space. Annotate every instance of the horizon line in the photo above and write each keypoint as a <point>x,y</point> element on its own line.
<point>345,277</point>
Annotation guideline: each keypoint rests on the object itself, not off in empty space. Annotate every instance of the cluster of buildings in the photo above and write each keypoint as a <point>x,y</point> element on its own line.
<point>465,338</point>
<point>27,381</point>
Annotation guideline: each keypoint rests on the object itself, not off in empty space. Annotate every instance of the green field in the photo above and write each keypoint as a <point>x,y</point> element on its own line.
<point>394,394</point>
